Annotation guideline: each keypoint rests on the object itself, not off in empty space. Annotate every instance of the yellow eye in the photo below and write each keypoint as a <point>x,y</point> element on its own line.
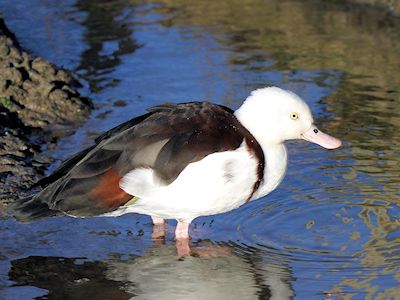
<point>294,116</point>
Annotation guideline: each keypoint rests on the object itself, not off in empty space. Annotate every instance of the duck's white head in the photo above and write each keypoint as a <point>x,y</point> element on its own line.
<point>274,115</point>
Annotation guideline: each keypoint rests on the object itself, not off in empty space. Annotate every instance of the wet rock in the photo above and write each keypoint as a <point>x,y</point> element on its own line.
<point>43,67</point>
<point>62,75</point>
<point>12,74</point>
<point>37,86</point>
<point>8,120</point>
<point>4,50</point>
<point>36,100</point>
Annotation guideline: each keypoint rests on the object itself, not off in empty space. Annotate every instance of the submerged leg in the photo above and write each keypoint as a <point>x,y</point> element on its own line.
<point>182,238</point>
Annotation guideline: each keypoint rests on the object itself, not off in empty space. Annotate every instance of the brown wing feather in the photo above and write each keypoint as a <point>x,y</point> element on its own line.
<point>71,162</point>
<point>107,193</point>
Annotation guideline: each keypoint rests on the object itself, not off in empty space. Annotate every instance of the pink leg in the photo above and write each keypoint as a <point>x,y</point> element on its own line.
<point>182,247</point>
<point>182,231</point>
<point>157,220</point>
<point>158,228</point>
<point>182,238</point>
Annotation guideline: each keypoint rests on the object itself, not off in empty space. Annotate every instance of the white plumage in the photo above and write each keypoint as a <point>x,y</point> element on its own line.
<point>218,183</point>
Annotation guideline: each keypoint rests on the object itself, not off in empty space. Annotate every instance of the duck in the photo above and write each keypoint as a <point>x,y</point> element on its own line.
<point>181,161</point>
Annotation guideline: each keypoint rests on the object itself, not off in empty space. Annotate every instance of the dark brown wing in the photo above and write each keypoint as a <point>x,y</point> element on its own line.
<point>166,139</point>
<point>69,163</point>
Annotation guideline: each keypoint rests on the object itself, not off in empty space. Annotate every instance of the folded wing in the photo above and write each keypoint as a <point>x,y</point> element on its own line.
<point>166,139</point>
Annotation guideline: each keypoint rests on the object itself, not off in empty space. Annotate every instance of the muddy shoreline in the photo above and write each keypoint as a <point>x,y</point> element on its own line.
<point>39,104</point>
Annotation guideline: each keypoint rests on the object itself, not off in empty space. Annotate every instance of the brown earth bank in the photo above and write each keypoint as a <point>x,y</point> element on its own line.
<point>38,104</point>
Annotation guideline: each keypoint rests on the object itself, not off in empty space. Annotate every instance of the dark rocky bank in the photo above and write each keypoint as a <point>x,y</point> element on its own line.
<point>38,104</point>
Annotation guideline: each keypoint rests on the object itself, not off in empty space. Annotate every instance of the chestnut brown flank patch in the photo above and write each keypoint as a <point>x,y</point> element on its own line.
<point>107,193</point>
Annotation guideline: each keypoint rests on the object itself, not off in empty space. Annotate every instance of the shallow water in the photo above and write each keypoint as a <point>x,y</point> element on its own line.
<point>332,228</point>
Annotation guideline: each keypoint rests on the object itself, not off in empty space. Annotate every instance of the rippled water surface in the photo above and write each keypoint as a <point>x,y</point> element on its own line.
<point>332,228</point>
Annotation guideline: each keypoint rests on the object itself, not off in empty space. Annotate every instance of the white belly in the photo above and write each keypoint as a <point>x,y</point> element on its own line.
<point>218,183</point>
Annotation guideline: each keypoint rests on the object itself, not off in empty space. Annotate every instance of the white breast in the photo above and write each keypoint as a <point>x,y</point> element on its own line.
<point>275,169</point>
<point>218,183</point>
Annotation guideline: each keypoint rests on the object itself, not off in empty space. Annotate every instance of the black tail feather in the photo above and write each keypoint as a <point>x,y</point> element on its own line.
<point>29,209</point>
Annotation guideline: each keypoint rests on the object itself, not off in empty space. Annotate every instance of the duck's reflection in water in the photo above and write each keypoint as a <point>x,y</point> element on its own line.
<point>213,271</point>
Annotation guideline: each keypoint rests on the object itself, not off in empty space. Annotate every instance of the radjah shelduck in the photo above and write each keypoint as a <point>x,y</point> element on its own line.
<point>181,161</point>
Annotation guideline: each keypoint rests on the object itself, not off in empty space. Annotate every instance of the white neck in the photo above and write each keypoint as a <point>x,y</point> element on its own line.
<point>274,152</point>
<point>275,169</point>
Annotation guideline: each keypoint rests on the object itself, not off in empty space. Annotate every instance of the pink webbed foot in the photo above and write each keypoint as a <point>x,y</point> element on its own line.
<point>182,238</point>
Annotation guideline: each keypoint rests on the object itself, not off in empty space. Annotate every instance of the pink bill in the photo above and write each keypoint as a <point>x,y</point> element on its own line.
<point>316,136</point>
